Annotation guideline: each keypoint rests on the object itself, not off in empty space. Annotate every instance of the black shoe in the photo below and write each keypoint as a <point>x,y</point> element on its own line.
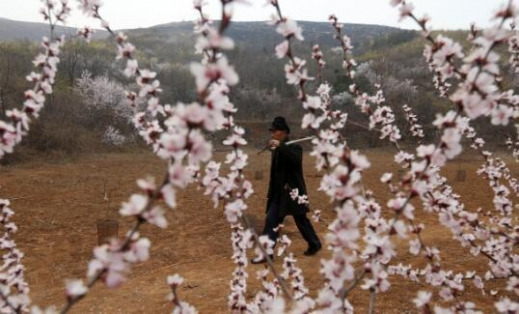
<point>261,260</point>
<point>312,250</point>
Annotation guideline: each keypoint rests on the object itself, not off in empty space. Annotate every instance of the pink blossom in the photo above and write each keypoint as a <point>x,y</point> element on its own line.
<point>86,33</point>
<point>125,50</point>
<point>76,288</point>
<point>359,161</point>
<point>114,279</point>
<point>329,300</point>
<point>200,149</point>
<point>139,251</point>
<point>295,72</point>
<point>145,77</point>
<point>478,282</point>
<point>414,246</point>
<point>131,67</point>
<point>233,210</point>
<point>513,285</point>
<point>205,74</point>
<point>156,217</point>
<point>135,206</point>
<point>451,139</point>
<point>289,28</point>
<point>285,242</point>
<point>425,151</point>
<point>311,121</point>
<point>401,204</point>
<point>282,49</point>
<point>112,262</point>
<point>169,195</point>
<point>213,40</point>
<point>406,9</point>
<point>448,50</point>
<point>173,144</point>
<point>337,270</point>
<point>400,228</point>
<point>236,138</point>
<point>267,244</point>
<point>89,7</point>
<point>386,177</point>
<point>501,115</point>
<point>312,103</point>
<point>402,157</point>
<point>148,184</point>
<point>175,280</point>
<point>507,306</point>
<point>422,299</point>
<point>237,160</point>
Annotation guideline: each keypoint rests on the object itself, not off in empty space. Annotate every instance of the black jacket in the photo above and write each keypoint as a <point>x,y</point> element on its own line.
<point>286,174</point>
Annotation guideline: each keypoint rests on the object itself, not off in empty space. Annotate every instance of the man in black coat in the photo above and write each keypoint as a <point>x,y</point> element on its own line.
<point>286,174</point>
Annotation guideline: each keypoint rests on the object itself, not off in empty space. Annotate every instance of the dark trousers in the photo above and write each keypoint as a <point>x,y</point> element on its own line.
<point>304,225</point>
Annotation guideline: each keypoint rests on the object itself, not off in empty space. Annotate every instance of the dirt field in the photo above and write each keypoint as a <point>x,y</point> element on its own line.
<point>57,206</point>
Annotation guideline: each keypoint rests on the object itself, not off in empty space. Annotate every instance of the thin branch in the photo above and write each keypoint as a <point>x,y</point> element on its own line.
<point>372,299</point>
<point>270,264</point>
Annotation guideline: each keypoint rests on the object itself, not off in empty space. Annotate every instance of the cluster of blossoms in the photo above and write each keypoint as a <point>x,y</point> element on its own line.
<point>440,57</point>
<point>14,293</point>
<point>111,261</point>
<point>300,198</point>
<point>379,249</point>
<point>385,117</point>
<point>302,303</point>
<point>468,228</point>
<point>477,94</point>
<point>270,299</point>
<point>241,241</point>
<point>442,201</point>
<point>86,32</point>
<point>179,138</point>
<point>213,75</point>
<point>317,55</point>
<point>381,116</point>
<point>341,183</point>
<point>13,130</point>
<point>55,11</point>
<point>422,180</point>
<point>177,134</point>
<point>416,129</point>
<point>13,287</point>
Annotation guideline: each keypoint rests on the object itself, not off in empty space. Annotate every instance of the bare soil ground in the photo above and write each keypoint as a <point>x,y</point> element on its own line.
<point>57,206</point>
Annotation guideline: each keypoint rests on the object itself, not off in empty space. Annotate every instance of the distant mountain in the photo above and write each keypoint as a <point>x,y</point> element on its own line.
<point>17,30</point>
<point>258,33</point>
<point>251,34</point>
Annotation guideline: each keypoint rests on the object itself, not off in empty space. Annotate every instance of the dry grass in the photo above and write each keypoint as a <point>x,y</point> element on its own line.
<point>57,206</point>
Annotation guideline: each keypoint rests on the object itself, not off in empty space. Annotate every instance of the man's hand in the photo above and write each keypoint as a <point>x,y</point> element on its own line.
<point>273,144</point>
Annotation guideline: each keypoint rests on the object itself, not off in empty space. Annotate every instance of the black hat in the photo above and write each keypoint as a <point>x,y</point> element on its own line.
<point>279,123</point>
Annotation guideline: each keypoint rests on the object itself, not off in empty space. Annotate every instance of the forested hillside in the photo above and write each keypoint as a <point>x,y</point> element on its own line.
<point>72,123</point>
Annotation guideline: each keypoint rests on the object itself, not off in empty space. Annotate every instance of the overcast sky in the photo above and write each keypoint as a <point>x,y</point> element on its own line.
<point>445,14</point>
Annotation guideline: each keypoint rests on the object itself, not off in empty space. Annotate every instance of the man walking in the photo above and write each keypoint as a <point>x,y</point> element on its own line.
<point>286,174</point>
